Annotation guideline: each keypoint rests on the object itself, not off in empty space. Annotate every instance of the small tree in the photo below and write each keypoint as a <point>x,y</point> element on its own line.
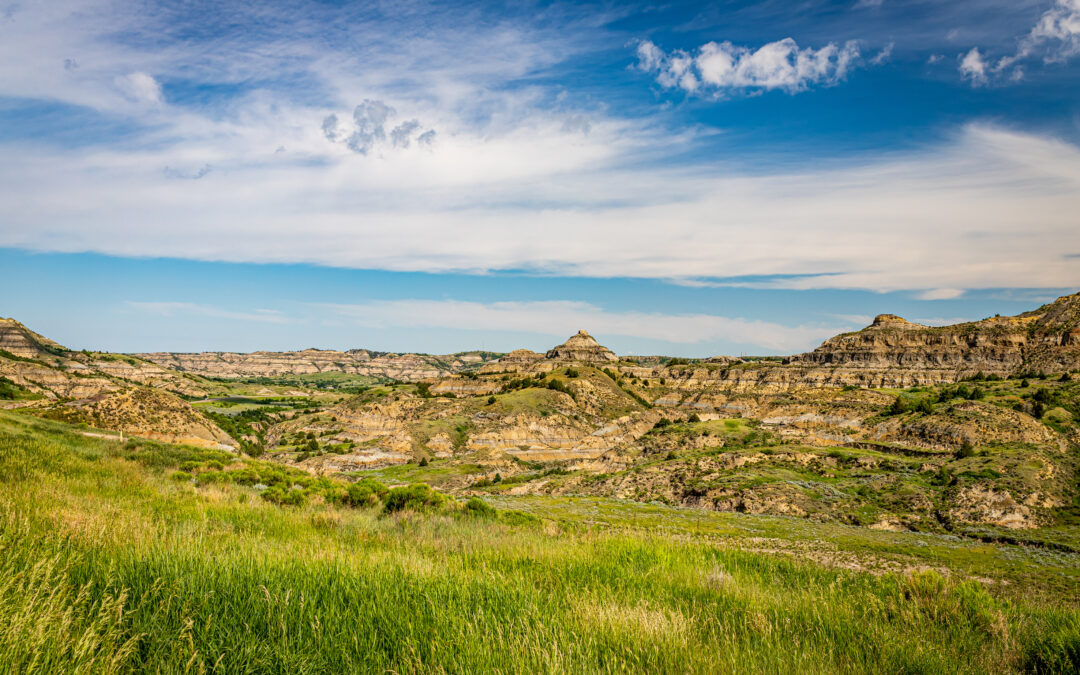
<point>491,400</point>
<point>965,450</point>
<point>423,461</point>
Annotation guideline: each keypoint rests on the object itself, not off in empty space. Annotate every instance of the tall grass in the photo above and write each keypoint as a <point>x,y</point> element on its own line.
<point>108,566</point>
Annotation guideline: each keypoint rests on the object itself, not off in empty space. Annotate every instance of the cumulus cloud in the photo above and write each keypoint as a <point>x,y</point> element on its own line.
<point>188,175</point>
<point>369,129</point>
<point>576,124</point>
<point>1055,38</point>
<point>973,67</point>
<point>722,67</point>
<point>140,87</point>
<point>401,136</point>
<point>559,318</point>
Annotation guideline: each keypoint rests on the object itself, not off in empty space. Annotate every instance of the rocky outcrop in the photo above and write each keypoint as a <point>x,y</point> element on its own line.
<point>401,367</point>
<point>520,357</point>
<point>1046,339</point>
<point>582,348</point>
<point>19,340</point>
<point>145,412</point>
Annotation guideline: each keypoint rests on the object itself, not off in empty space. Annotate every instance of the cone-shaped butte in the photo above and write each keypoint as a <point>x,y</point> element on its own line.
<point>582,347</point>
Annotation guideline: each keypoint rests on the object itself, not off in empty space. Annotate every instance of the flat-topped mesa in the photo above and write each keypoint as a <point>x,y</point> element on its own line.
<point>582,347</point>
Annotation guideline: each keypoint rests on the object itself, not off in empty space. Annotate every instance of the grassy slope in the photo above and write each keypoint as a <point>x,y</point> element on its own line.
<point>108,566</point>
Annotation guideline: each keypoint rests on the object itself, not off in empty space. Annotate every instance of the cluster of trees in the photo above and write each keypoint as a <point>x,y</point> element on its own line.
<point>537,381</point>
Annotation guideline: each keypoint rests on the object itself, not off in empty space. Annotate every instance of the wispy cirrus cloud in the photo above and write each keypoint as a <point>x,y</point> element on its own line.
<point>190,308</point>
<point>947,216</point>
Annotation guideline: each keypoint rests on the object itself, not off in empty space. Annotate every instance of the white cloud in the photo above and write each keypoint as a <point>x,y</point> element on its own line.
<point>864,4</point>
<point>884,55</point>
<point>183,308</point>
<point>974,213</point>
<point>561,318</point>
<point>973,67</point>
<point>721,67</point>
<point>511,183</point>
<point>1055,38</point>
<point>940,294</point>
<point>140,87</point>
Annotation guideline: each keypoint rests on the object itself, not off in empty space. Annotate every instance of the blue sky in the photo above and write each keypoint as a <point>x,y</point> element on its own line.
<point>681,178</point>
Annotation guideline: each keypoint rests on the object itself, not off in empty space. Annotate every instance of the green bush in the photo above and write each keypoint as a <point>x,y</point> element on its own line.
<point>415,497</point>
<point>965,450</point>
<point>366,492</point>
<point>180,476</point>
<point>284,496</point>
<point>478,507</point>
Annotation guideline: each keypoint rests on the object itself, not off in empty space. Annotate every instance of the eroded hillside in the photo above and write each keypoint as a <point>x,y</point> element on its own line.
<point>970,428</point>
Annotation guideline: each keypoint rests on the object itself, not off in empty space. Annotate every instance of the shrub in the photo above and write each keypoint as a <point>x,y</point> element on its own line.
<point>478,507</point>
<point>661,423</point>
<point>497,479</point>
<point>423,461</point>
<point>180,476</point>
<point>491,400</point>
<point>898,407</point>
<point>415,497</point>
<point>570,372</point>
<point>965,450</point>
<point>366,492</point>
<point>694,417</point>
<point>283,496</point>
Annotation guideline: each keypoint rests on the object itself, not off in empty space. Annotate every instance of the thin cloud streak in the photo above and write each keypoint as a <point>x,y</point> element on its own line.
<point>189,308</point>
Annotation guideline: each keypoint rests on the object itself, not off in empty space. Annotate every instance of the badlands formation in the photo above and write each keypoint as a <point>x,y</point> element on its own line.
<point>966,428</point>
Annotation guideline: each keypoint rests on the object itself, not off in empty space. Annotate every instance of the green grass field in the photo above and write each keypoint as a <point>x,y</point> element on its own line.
<point>107,564</point>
